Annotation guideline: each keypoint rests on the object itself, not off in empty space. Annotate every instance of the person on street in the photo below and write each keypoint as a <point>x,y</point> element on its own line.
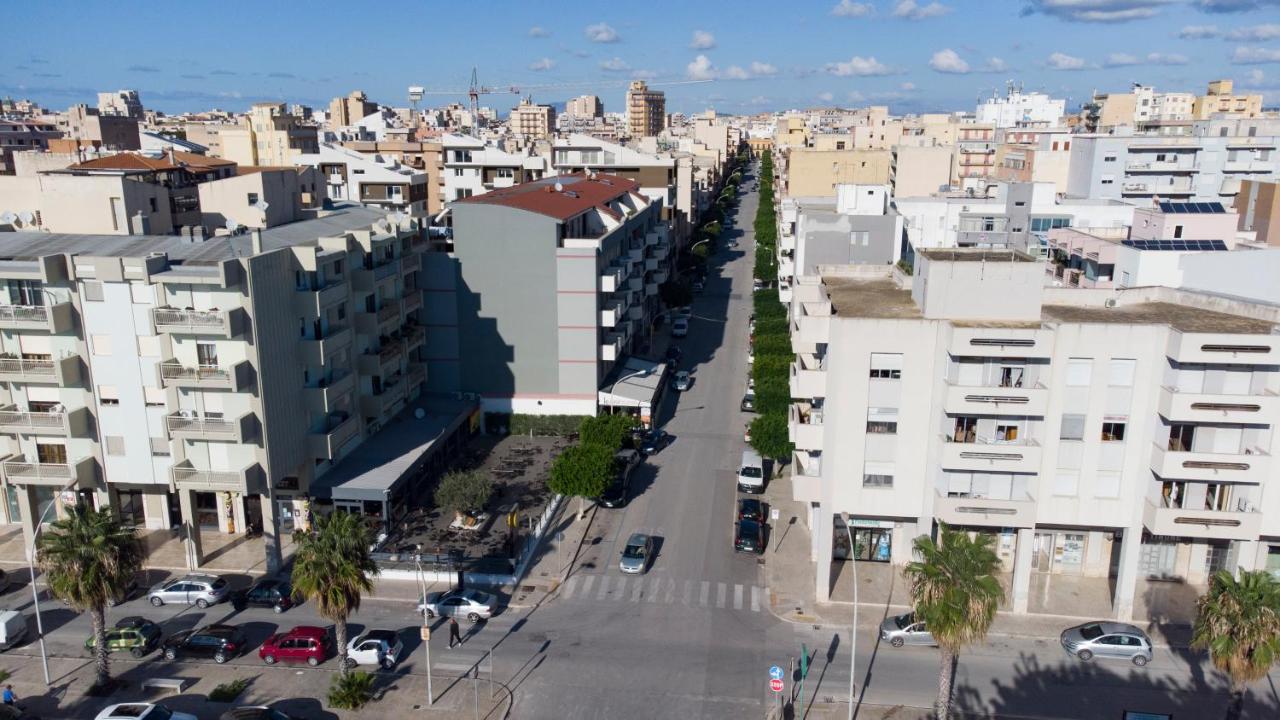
<point>9,696</point>
<point>454,635</point>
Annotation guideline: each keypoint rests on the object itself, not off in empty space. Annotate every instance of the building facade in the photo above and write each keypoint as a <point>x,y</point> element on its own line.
<point>646,110</point>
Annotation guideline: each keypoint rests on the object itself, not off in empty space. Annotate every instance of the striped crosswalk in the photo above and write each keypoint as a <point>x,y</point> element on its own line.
<point>664,591</point>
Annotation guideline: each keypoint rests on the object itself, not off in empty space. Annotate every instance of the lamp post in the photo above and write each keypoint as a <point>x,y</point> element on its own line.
<point>426,626</point>
<point>35,593</point>
<point>853,633</point>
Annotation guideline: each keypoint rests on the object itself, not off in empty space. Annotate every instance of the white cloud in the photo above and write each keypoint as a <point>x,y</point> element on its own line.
<point>1199,32</point>
<point>995,64</point>
<point>1156,58</point>
<point>1062,61</point>
<point>856,97</point>
<point>543,64</point>
<point>1255,77</point>
<point>911,10</point>
<point>849,8</point>
<point>826,97</point>
<point>763,68</point>
<point>948,61</point>
<point>907,86</point>
<point>1255,55</point>
<point>539,31</point>
<point>1121,60</point>
<point>615,64</point>
<point>1232,6</point>
<point>733,72</point>
<point>1099,11</point>
<point>601,33</point>
<point>702,40</point>
<point>701,69</point>
<point>758,100</point>
<point>859,66</point>
<point>1268,31</point>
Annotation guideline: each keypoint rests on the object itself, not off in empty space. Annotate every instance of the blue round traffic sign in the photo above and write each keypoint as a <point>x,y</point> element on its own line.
<point>775,673</point>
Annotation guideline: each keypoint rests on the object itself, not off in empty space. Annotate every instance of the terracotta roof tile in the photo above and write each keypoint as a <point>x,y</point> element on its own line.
<point>135,161</point>
<point>579,193</point>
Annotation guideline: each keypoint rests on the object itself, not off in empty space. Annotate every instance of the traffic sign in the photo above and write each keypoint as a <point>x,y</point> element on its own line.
<point>774,514</point>
<point>775,673</point>
<point>775,685</point>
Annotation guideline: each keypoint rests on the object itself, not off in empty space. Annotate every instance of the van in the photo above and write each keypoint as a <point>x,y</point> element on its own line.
<point>751,472</point>
<point>13,628</point>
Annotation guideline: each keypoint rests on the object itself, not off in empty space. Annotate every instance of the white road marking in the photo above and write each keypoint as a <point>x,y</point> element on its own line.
<point>755,598</point>
<point>704,593</point>
<point>688,592</point>
<point>720,593</point>
<point>654,585</point>
<point>737,597</point>
<point>604,587</point>
<point>637,590</point>
<point>586,584</point>
<point>569,587</point>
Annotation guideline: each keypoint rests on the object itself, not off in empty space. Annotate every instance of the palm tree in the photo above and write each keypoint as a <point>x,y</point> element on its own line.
<point>1238,622</point>
<point>955,592</point>
<point>89,558</point>
<point>332,567</point>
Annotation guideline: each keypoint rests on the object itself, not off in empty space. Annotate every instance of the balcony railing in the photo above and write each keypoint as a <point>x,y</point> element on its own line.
<point>187,476</point>
<point>19,470</point>
<point>196,427</point>
<point>62,371</point>
<point>199,322</point>
<point>390,310</point>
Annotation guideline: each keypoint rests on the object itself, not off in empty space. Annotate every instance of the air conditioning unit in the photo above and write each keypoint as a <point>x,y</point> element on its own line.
<point>1111,302</point>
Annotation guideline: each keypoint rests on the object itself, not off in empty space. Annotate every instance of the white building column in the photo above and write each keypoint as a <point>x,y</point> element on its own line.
<point>190,528</point>
<point>1022,569</point>
<point>1247,554</point>
<point>822,529</point>
<point>271,534</point>
<point>1127,574</point>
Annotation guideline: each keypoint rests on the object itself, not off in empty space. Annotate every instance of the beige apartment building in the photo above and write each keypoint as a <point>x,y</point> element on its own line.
<point>91,128</point>
<point>1220,101</point>
<point>349,110</point>
<point>584,106</point>
<point>816,173</point>
<point>646,110</point>
<point>267,135</point>
<point>533,121</point>
<point>1258,205</point>
<point>920,171</point>
<point>423,156</point>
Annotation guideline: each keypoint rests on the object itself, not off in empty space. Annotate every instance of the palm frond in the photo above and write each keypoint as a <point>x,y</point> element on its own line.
<point>332,566</point>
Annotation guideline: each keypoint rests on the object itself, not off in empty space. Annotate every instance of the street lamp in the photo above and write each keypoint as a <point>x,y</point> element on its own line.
<point>853,634</point>
<point>426,625</point>
<point>35,594</point>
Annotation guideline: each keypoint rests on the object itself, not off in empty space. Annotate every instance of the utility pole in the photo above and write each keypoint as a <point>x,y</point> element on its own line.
<point>426,626</point>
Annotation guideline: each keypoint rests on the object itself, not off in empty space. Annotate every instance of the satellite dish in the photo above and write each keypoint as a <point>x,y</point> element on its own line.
<point>559,187</point>
<point>263,205</point>
<point>26,217</point>
<point>419,413</point>
<point>8,217</point>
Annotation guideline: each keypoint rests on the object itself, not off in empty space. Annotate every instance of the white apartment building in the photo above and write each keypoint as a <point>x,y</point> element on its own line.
<point>474,167</point>
<point>1019,109</point>
<point>373,180</point>
<point>1094,433</point>
<point>214,384</point>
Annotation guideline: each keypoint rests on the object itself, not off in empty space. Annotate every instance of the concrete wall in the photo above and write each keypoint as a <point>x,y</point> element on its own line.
<point>816,173</point>
<point>83,204</point>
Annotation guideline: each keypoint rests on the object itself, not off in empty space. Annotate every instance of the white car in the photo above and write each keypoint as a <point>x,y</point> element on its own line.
<point>680,328</point>
<point>375,647</point>
<point>683,381</point>
<point>471,604</point>
<point>142,711</point>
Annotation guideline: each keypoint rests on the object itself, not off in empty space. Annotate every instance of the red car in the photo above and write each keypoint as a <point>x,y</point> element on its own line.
<point>304,643</point>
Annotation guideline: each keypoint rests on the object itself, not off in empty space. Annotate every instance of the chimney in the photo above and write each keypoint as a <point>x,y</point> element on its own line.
<point>197,233</point>
<point>257,241</point>
<point>139,224</point>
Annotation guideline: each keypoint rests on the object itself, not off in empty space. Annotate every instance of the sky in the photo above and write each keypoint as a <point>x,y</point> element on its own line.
<point>743,56</point>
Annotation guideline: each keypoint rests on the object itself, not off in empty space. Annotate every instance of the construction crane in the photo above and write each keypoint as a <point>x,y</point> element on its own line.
<point>475,90</point>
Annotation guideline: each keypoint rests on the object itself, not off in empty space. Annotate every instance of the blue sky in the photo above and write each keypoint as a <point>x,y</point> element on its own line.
<point>914,55</point>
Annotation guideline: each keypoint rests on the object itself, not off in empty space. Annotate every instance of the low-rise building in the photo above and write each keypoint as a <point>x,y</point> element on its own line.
<point>375,181</point>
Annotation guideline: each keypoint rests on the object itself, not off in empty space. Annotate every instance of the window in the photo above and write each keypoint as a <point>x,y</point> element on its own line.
<point>252,198</point>
<point>152,203</point>
<point>1177,231</point>
<point>458,172</point>
<point>108,395</point>
<point>861,237</point>
<point>93,291</point>
<point>1106,484</point>
<point>1078,371</point>
<point>1107,180</point>
<point>1065,482</point>
<point>153,396</point>
<point>886,366</point>
<point>870,480</point>
<point>1108,158</point>
<point>882,421</point>
<point>1020,203</point>
<point>1112,431</point>
<point>1120,372</point>
<point>100,344</point>
<point>115,444</point>
<point>1072,427</point>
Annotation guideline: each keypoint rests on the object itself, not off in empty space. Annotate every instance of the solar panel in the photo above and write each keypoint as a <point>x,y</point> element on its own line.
<point>1176,245</point>
<point>1191,208</point>
<point>1166,207</point>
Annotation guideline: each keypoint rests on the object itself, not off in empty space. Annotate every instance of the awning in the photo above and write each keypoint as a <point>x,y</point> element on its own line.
<point>633,383</point>
<point>377,468</point>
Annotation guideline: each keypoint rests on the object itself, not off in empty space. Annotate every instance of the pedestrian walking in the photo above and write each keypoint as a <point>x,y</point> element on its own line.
<point>9,696</point>
<point>455,636</point>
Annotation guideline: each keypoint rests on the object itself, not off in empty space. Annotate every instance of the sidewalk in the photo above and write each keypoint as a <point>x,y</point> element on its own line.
<point>882,590</point>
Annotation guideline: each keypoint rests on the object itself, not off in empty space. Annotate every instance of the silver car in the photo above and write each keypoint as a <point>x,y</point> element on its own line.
<point>683,380</point>
<point>195,589</point>
<point>905,630</point>
<point>471,604</point>
<point>1112,640</point>
<point>636,554</point>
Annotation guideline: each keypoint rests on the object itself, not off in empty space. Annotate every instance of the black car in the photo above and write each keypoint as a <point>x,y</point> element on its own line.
<point>654,440</point>
<point>749,402</point>
<point>616,495</point>
<point>748,537</point>
<point>274,594</point>
<point>255,712</point>
<point>674,353</point>
<point>220,642</point>
<point>751,509</point>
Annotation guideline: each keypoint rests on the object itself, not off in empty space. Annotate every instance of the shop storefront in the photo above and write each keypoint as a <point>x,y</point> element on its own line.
<point>872,539</point>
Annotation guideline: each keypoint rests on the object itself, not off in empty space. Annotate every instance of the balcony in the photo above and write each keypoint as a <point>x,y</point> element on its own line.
<point>1251,466</point>
<point>186,476</point>
<point>56,318</point>
<point>415,376</point>
<point>63,372</point>
<point>651,288</point>
<point>808,377</point>
<point>386,401</point>
<point>1179,406</point>
<point>612,278</point>
<point>636,283</point>
<point>211,323</point>
<point>234,377</point>
<point>364,279</point>
<point>806,475</point>
<point>1224,348</point>
<point>185,425</point>
<point>323,398</point>
<point>611,314</point>
<point>380,362</point>
<point>1000,343</point>
<point>987,455</point>
<point>660,276</point>
<point>413,336</point>
<point>321,351</point>
<point>67,424</point>
<point>636,253</point>
<point>1160,167</point>
<point>328,444</point>
<point>20,470</point>
<point>611,349</point>
<point>410,262</point>
<point>411,299</point>
<point>651,264</point>
<point>313,301</point>
<point>965,509</point>
<point>1243,523</point>
<point>1029,400</point>
<point>804,426</point>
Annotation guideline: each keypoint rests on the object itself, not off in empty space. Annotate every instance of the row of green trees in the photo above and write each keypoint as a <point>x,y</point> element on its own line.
<point>955,591</point>
<point>586,470</point>
<point>771,340</point>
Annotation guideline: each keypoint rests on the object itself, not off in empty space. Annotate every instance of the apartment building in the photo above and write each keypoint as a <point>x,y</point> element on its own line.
<point>533,121</point>
<point>975,156</point>
<point>375,181</point>
<point>418,155</point>
<point>1220,101</point>
<point>591,252</point>
<point>267,135</point>
<point>917,170</point>
<point>646,110</point>
<point>1034,156</point>
<point>349,110</point>
<point>816,173</point>
<point>474,167</point>
<point>1122,436</point>
<point>859,227</point>
<point>244,368</point>
<point>655,174</point>
<point>23,136</point>
<point>91,128</point>
<point>584,106</point>
<point>259,198</point>
<point>121,102</point>
<point>1258,203</point>
<point>1019,109</point>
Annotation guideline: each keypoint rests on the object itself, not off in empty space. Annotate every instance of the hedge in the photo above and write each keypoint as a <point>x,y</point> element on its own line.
<point>772,340</point>
<point>545,425</point>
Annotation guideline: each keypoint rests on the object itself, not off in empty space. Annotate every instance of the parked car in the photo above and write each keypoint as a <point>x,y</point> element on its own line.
<point>194,589</point>
<point>1111,640</point>
<point>616,495</point>
<point>636,554</point>
<point>13,628</point>
<point>680,328</point>
<point>142,711</point>
<point>683,381</point>
<point>220,642</point>
<point>274,594</point>
<point>748,537</point>
<point>136,634</point>
<point>674,353</point>
<point>905,630</point>
<point>751,509</point>
<point>471,604</point>
<point>684,312</point>
<point>304,643</point>
<point>757,285</point>
<point>653,441</point>
<point>255,712</point>
<point>375,647</point>
<point>749,401</point>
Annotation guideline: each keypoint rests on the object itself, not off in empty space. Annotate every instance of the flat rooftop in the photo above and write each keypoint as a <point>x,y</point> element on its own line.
<point>975,255</point>
<point>878,298</point>
<point>1180,317</point>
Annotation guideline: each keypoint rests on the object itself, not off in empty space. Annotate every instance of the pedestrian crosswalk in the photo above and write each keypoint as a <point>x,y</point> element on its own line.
<point>665,591</point>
